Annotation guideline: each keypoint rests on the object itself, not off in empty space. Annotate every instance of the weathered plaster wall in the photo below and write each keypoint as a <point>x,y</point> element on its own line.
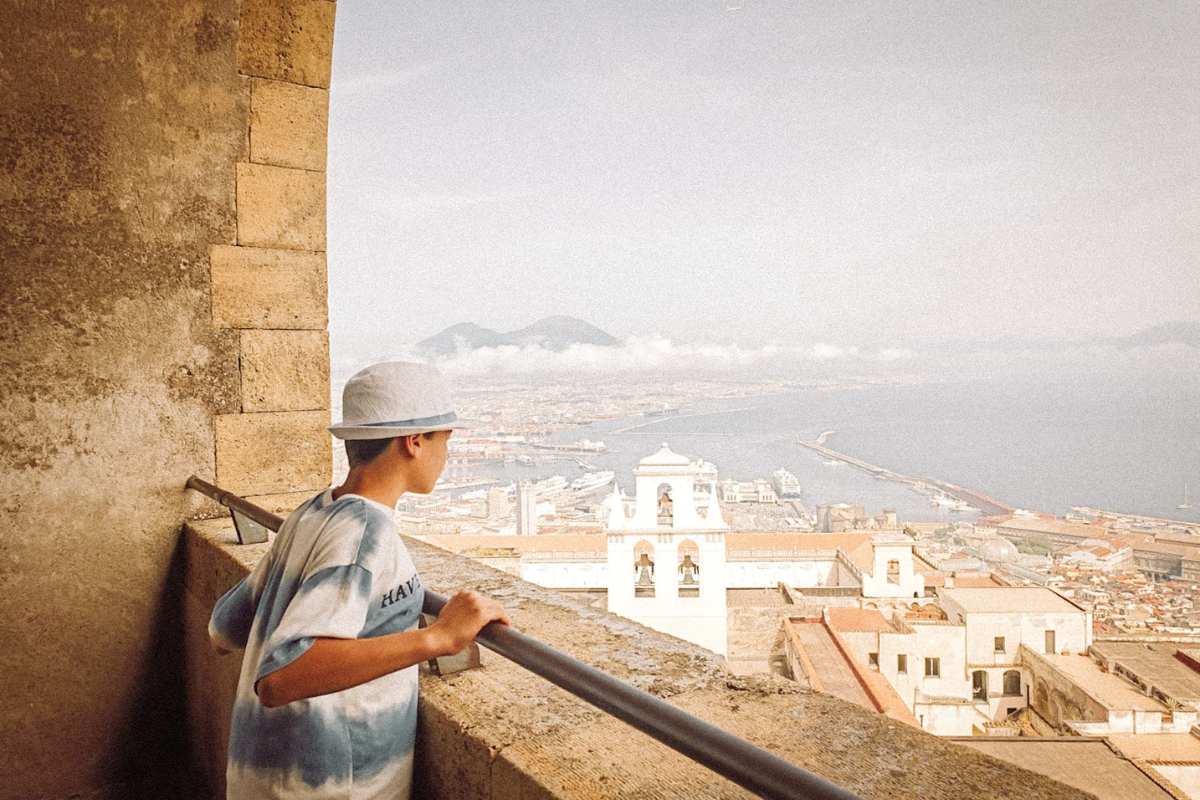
<point>502,732</point>
<point>144,144</point>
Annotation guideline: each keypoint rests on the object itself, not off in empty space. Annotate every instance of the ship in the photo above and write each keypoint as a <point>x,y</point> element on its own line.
<point>592,481</point>
<point>550,485</point>
<point>787,487</point>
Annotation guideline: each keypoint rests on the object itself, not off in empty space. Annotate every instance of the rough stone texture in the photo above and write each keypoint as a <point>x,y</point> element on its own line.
<point>287,40</point>
<point>273,453</point>
<point>120,123</point>
<point>280,207</point>
<point>288,124</point>
<point>255,287</point>
<point>285,370</point>
<point>281,504</point>
<point>500,731</point>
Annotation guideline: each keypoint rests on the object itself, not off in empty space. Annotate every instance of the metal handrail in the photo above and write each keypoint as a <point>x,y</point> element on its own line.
<point>751,767</point>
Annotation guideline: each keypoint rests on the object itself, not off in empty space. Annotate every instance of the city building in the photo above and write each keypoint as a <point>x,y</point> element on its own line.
<point>527,509</point>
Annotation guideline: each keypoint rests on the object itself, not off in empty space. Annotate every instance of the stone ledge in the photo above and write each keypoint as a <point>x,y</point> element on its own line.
<point>501,731</point>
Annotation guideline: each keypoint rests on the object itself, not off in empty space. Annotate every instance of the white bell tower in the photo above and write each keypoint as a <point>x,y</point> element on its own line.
<point>666,564</point>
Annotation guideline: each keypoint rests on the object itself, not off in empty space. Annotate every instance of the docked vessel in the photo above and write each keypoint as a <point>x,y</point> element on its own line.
<point>592,481</point>
<point>787,487</point>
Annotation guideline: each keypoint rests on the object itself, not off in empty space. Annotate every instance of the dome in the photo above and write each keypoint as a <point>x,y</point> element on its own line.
<point>999,550</point>
<point>665,457</point>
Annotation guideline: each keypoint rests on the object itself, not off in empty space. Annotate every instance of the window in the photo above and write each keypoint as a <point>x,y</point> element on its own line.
<point>933,668</point>
<point>902,664</point>
<point>873,659</point>
<point>1012,682</point>
<point>999,647</point>
<point>979,685</point>
<point>1050,642</point>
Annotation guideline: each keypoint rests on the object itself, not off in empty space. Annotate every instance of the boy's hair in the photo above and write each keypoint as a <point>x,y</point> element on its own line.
<point>364,451</point>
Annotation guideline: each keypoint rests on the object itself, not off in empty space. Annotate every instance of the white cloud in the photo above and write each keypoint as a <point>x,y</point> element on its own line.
<point>640,354</point>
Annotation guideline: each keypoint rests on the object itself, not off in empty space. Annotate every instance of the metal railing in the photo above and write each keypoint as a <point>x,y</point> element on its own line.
<point>751,767</point>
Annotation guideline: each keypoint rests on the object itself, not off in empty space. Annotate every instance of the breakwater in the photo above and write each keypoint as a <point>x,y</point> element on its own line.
<point>987,505</point>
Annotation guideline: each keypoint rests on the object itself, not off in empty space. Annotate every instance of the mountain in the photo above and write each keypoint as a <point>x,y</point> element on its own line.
<point>1180,332</point>
<point>552,333</point>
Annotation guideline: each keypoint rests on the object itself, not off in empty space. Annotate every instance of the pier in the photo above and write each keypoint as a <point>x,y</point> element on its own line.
<point>988,506</point>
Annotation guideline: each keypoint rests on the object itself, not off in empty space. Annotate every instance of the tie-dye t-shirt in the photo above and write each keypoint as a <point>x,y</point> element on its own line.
<point>335,569</point>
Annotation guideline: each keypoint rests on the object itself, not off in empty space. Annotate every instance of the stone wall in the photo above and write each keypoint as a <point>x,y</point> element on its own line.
<point>502,732</point>
<point>162,313</point>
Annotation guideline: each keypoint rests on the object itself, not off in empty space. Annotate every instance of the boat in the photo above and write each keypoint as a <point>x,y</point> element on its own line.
<point>787,487</point>
<point>551,485</point>
<point>1186,504</point>
<point>592,481</point>
<point>832,462</point>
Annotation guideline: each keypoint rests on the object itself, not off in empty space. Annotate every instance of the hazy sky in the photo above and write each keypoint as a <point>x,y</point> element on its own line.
<point>871,174</point>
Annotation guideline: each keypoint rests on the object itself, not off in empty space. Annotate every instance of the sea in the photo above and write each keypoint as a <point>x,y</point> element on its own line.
<point>1034,443</point>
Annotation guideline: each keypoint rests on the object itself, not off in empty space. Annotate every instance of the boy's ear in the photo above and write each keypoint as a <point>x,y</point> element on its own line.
<point>404,446</point>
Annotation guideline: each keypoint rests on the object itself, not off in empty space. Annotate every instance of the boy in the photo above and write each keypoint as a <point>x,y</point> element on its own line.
<point>326,704</point>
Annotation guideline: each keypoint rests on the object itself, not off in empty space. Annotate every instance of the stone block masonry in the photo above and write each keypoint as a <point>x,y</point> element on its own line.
<point>288,124</point>
<point>273,453</point>
<point>284,370</point>
<point>280,207</point>
<point>272,286</point>
<point>287,40</point>
<point>256,287</point>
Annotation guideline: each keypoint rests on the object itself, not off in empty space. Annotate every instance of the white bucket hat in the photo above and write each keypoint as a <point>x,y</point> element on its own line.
<point>395,398</point>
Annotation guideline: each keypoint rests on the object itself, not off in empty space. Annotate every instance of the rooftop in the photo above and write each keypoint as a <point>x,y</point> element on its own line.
<point>1155,663</point>
<point>1158,746</point>
<point>665,457</point>
<point>1110,690</point>
<point>1085,763</point>
<point>858,619</point>
<point>1008,599</point>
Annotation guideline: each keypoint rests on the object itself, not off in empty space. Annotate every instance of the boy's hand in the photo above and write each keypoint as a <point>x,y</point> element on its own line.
<point>463,617</point>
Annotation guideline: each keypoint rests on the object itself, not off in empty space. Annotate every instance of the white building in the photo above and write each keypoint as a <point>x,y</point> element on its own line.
<point>756,491</point>
<point>666,563</point>
<point>527,509</point>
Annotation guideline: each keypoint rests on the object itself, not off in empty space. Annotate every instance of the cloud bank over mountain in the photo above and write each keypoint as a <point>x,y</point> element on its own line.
<point>652,354</point>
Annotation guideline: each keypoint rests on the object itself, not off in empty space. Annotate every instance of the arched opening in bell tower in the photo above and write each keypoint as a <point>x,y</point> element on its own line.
<point>688,568</point>
<point>665,504</point>
<point>643,569</point>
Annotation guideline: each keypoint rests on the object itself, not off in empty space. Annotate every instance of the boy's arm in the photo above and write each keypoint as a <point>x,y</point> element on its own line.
<point>232,617</point>
<point>332,665</point>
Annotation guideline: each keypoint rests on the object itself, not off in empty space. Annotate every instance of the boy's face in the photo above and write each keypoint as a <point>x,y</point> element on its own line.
<point>431,460</point>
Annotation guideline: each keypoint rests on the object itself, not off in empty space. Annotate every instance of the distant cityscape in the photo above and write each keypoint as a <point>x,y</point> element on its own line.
<point>1001,628</point>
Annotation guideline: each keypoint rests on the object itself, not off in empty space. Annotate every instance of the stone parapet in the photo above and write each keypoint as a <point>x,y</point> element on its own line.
<point>502,732</point>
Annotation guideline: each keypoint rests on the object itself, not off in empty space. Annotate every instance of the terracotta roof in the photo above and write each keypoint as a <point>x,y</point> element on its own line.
<point>975,581</point>
<point>858,619</point>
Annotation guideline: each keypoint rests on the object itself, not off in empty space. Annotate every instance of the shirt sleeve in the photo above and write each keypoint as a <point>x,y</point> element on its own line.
<point>233,615</point>
<point>331,603</point>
